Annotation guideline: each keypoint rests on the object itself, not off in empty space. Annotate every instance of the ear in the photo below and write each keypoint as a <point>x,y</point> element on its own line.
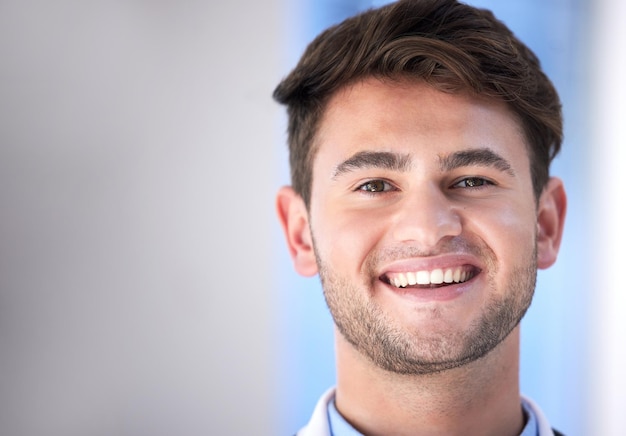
<point>550,221</point>
<point>294,218</point>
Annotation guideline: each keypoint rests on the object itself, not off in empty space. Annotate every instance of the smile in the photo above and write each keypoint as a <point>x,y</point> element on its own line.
<point>438,276</point>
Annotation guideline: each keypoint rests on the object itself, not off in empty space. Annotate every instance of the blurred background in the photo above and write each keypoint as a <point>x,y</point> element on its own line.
<point>145,288</point>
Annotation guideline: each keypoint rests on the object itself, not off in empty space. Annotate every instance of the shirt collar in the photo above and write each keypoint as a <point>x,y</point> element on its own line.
<point>340,427</point>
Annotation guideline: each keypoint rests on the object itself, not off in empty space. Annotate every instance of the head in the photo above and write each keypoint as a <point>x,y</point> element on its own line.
<point>420,137</point>
<point>446,44</point>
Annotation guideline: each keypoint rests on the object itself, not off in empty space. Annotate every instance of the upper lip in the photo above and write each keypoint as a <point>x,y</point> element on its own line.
<point>431,263</point>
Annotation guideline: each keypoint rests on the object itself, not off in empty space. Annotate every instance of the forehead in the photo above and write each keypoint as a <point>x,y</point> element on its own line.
<point>413,117</point>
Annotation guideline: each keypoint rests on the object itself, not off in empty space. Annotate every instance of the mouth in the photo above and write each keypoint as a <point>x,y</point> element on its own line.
<point>426,279</point>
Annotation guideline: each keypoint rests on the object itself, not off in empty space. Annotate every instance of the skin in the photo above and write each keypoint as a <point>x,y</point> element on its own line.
<point>407,178</point>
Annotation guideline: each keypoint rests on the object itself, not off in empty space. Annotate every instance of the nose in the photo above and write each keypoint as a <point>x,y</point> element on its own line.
<point>425,217</point>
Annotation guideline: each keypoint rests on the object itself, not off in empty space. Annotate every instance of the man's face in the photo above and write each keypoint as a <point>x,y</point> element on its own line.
<point>423,223</point>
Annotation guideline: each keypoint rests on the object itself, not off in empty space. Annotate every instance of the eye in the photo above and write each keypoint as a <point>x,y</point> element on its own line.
<point>472,182</point>
<point>376,186</point>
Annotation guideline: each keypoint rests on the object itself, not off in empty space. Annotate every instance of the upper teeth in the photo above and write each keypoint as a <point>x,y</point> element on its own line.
<point>434,277</point>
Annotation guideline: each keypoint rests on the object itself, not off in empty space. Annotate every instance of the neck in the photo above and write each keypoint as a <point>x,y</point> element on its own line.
<point>481,397</point>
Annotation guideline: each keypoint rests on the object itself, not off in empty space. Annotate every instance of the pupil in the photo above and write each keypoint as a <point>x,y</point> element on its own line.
<point>376,186</point>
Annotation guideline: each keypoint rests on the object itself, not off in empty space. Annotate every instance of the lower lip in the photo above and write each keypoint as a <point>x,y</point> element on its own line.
<point>440,293</point>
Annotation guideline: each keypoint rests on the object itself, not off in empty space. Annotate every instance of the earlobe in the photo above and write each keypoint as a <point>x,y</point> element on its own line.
<point>550,221</point>
<point>294,219</point>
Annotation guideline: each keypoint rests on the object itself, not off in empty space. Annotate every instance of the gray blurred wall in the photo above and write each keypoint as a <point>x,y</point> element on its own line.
<point>137,170</point>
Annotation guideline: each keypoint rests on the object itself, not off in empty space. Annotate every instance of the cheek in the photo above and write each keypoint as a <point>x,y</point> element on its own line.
<point>508,231</point>
<point>349,237</point>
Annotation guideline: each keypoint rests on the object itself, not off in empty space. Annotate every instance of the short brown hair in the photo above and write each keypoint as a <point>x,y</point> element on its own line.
<point>450,45</point>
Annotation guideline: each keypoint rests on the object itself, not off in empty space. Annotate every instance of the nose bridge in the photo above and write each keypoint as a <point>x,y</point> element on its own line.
<point>425,216</point>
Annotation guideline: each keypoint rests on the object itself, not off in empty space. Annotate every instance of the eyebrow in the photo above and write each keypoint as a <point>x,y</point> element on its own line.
<point>402,162</point>
<point>478,156</point>
<point>374,159</point>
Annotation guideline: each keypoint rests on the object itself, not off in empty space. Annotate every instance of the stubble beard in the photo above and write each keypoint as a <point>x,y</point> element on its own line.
<point>374,333</point>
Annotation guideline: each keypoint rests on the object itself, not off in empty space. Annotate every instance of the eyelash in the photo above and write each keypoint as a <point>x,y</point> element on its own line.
<point>386,186</point>
<point>478,183</point>
<point>482,183</point>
